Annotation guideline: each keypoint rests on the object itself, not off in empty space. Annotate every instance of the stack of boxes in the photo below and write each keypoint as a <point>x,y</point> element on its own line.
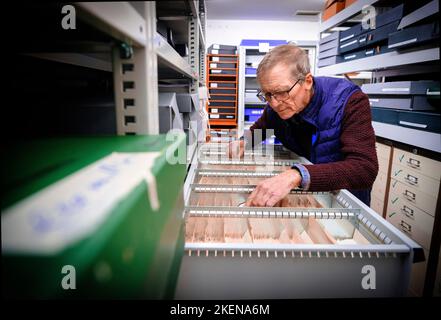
<point>222,81</point>
<point>418,27</point>
<point>411,104</point>
<point>362,40</point>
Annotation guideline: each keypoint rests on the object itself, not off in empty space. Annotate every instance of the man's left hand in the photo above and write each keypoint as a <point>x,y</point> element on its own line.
<point>270,191</point>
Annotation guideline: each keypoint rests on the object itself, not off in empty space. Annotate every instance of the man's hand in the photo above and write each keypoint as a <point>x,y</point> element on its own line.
<point>236,149</point>
<point>270,191</point>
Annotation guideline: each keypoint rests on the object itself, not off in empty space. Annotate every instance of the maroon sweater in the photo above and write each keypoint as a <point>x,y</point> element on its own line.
<point>359,166</point>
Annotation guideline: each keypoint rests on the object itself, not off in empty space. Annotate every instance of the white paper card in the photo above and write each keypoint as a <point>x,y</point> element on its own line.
<point>71,209</point>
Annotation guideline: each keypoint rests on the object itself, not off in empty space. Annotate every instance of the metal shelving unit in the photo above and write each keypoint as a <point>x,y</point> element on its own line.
<point>381,63</point>
<point>152,58</point>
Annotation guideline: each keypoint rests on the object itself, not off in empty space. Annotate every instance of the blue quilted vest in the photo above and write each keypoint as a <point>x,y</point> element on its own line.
<point>324,113</point>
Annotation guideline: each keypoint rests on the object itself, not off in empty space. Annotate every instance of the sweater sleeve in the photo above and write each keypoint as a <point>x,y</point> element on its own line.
<point>359,166</point>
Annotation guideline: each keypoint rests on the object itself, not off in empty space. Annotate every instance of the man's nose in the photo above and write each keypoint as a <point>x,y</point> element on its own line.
<point>274,103</point>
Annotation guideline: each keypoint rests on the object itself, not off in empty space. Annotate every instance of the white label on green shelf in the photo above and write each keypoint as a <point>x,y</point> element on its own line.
<point>71,209</point>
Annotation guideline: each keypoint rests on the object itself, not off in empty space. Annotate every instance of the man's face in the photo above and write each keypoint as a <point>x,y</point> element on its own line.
<point>279,79</point>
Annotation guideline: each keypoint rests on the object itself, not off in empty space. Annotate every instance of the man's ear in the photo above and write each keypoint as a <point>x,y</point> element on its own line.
<point>308,83</point>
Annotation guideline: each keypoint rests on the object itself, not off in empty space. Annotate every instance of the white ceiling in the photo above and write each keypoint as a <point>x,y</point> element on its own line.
<point>282,10</point>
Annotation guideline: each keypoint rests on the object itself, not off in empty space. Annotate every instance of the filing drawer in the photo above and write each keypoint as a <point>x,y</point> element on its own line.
<point>414,222</point>
<point>423,165</point>
<point>383,164</point>
<point>379,186</point>
<point>383,151</point>
<point>377,204</point>
<point>414,197</point>
<point>383,156</point>
<point>415,179</point>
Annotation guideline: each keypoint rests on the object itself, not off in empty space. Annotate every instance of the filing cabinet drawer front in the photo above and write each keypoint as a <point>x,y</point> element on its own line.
<point>383,151</point>
<point>414,197</point>
<point>379,187</point>
<point>412,178</point>
<point>414,222</point>
<point>383,165</point>
<point>383,155</point>
<point>377,205</point>
<point>428,167</point>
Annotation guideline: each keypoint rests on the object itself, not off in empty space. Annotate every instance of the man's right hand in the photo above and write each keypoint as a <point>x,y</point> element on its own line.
<point>236,149</point>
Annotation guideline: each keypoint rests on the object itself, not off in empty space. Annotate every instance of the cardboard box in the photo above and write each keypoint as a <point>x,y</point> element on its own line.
<point>332,7</point>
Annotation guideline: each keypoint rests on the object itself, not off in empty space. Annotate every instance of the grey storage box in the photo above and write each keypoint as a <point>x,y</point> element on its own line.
<point>419,103</point>
<point>329,61</point>
<point>329,53</point>
<point>187,102</point>
<point>222,91</point>
<point>424,121</point>
<point>222,85</point>
<point>414,35</point>
<point>222,97</point>
<point>400,87</point>
<point>222,46</point>
<point>351,33</point>
<point>369,38</point>
<point>221,71</point>
<point>331,37</point>
<point>169,116</point>
<point>420,14</point>
<point>222,104</point>
<point>217,59</point>
<point>222,65</point>
<point>389,16</point>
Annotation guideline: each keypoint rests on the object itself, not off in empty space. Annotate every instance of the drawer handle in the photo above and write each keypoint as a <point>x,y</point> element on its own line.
<point>414,163</point>
<point>411,179</point>
<point>405,226</point>
<point>409,195</point>
<point>407,211</point>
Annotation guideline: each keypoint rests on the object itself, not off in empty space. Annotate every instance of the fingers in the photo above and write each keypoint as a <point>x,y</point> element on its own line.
<point>233,149</point>
<point>260,196</point>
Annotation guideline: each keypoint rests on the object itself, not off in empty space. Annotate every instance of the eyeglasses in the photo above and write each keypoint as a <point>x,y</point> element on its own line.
<point>279,96</point>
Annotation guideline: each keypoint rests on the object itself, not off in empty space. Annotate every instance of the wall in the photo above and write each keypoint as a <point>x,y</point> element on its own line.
<point>233,31</point>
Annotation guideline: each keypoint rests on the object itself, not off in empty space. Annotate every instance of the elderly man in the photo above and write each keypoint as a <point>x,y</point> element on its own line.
<point>327,120</point>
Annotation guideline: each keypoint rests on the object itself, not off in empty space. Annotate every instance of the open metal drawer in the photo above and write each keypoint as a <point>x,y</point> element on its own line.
<point>322,245</point>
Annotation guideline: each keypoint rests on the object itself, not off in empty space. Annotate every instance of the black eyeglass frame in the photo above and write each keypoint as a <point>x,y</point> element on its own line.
<point>262,97</point>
